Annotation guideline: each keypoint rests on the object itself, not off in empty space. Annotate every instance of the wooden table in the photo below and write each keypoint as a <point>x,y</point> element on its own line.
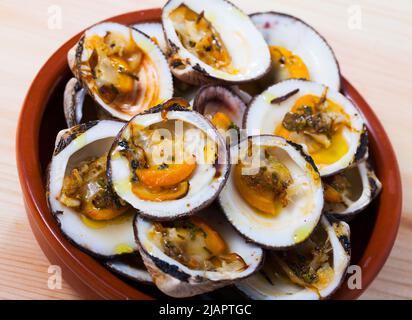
<point>374,55</point>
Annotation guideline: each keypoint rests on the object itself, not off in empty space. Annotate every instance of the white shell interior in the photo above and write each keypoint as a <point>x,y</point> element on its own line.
<point>153,30</point>
<point>236,31</point>
<point>131,271</point>
<point>264,117</point>
<point>103,241</point>
<point>165,81</point>
<point>257,287</point>
<point>251,254</point>
<point>302,40</point>
<point>296,221</point>
<point>203,183</point>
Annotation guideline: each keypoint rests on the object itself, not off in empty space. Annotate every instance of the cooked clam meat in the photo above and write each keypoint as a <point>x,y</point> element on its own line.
<point>310,264</point>
<point>162,165</point>
<point>274,195</point>
<point>168,161</point>
<point>114,66</point>
<point>78,193</point>
<point>221,121</point>
<point>318,123</point>
<point>321,119</point>
<point>287,65</point>
<point>196,254</point>
<point>266,189</point>
<point>196,245</point>
<point>336,189</point>
<point>350,191</point>
<point>199,37</point>
<point>122,69</point>
<point>86,191</point>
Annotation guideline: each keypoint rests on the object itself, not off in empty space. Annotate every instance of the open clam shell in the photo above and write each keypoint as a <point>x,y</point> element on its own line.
<point>272,220</point>
<point>212,99</point>
<point>302,52</point>
<point>178,280</point>
<point>307,113</point>
<point>204,40</point>
<point>122,69</point>
<point>100,238</point>
<point>151,137</point>
<point>351,191</point>
<point>224,106</point>
<point>279,278</point>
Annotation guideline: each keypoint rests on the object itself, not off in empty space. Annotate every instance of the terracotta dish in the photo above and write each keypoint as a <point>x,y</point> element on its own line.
<point>373,232</point>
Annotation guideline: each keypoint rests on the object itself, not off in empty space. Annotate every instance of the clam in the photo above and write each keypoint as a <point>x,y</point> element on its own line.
<point>197,254</point>
<point>324,121</point>
<point>274,194</point>
<point>310,271</point>
<point>297,52</point>
<point>168,162</point>
<point>88,212</point>
<point>224,107</point>
<point>122,69</point>
<point>351,191</point>
<point>220,102</point>
<point>204,40</point>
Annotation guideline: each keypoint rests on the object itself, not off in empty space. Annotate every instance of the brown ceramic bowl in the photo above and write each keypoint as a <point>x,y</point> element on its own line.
<point>373,231</point>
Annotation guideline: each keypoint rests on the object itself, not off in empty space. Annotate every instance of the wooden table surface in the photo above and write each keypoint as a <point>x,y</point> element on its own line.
<point>374,54</point>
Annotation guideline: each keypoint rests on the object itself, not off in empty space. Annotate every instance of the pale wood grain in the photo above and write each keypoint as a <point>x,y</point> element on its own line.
<point>376,59</point>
